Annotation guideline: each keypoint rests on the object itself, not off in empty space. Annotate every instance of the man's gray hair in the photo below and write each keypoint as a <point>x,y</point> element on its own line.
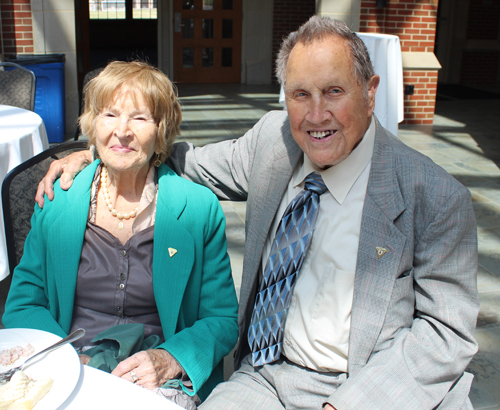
<point>318,28</point>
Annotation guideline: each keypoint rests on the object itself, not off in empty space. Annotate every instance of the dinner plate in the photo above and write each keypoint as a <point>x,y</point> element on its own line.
<point>62,364</point>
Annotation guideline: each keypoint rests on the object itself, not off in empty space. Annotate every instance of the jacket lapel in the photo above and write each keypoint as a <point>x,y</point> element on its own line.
<point>375,276</point>
<point>173,250</point>
<point>271,181</point>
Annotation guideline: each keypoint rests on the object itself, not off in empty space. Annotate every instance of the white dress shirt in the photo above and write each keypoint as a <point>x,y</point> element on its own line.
<point>318,322</point>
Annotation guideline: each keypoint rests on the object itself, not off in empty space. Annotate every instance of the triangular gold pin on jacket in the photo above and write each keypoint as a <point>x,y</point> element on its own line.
<point>172,251</point>
<point>380,251</point>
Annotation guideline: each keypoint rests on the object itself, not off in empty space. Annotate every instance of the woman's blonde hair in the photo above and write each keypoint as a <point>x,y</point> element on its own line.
<point>157,90</point>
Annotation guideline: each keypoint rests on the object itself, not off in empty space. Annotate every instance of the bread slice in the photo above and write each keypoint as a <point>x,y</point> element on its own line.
<point>14,390</point>
<point>23,393</point>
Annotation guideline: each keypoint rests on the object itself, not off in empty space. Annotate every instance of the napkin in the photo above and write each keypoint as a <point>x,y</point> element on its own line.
<point>118,343</point>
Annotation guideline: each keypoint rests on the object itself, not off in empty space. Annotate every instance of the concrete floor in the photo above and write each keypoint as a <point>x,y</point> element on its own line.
<point>464,140</point>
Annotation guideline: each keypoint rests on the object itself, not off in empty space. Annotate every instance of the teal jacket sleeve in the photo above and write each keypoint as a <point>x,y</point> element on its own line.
<point>27,304</point>
<point>43,284</point>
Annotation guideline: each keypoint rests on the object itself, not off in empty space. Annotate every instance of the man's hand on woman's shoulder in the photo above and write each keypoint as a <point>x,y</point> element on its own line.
<point>67,167</point>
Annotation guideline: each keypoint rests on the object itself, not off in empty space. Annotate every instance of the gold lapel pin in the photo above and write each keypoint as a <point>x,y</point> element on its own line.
<point>380,251</point>
<point>172,251</point>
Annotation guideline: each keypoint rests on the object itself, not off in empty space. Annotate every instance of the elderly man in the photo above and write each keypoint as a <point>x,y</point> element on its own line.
<point>359,278</point>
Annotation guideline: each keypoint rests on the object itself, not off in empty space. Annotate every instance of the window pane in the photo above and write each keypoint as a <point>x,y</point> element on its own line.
<point>107,9</point>
<point>144,9</point>
<point>208,57</point>
<point>227,57</point>
<point>208,4</point>
<point>187,57</point>
<point>227,4</point>
<point>188,29</point>
<point>188,4</point>
<point>227,28</point>
<point>208,28</point>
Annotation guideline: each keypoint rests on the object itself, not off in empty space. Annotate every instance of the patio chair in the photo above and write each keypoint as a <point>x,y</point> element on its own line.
<point>17,86</point>
<point>89,76</point>
<point>18,196</point>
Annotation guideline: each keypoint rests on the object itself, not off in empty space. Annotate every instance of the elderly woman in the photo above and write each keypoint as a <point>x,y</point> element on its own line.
<point>132,243</point>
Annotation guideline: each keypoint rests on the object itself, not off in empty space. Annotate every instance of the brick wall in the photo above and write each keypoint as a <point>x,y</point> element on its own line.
<point>419,107</point>
<point>17,26</point>
<point>1,42</point>
<point>481,66</point>
<point>288,16</point>
<point>484,18</point>
<point>414,21</point>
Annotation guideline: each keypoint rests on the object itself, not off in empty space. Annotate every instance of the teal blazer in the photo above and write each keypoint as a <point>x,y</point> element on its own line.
<point>193,288</point>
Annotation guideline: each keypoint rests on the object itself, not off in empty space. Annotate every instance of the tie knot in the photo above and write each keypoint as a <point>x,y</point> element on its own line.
<point>315,183</point>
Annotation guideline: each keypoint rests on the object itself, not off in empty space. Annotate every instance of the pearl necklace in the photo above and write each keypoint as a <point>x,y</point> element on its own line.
<point>107,199</point>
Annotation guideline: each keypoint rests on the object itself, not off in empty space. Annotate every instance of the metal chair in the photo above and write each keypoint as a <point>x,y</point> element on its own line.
<point>17,86</point>
<point>18,196</point>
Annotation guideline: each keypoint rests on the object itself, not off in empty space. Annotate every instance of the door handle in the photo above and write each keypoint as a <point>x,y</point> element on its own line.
<point>177,22</point>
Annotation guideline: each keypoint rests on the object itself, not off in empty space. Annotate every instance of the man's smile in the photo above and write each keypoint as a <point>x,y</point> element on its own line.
<point>321,134</point>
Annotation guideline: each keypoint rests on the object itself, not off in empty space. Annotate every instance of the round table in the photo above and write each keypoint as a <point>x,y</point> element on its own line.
<point>22,135</point>
<point>99,390</point>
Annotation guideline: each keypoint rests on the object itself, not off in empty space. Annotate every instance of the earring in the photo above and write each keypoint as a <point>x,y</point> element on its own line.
<point>157,162</point>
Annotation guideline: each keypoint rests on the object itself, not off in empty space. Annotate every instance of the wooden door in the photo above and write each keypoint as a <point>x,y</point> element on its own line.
<point>207,41</point>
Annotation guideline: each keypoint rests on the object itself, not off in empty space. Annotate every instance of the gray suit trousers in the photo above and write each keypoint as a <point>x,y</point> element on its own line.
<point>276,386</point>
<point>285,385</point>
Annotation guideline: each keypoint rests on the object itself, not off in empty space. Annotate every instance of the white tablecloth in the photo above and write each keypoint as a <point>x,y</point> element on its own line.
<point>22,135</point>
<point>100,390</point>
<point>385,53</point>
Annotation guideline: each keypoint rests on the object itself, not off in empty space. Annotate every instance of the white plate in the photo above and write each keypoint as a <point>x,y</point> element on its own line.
<point>62,364</point>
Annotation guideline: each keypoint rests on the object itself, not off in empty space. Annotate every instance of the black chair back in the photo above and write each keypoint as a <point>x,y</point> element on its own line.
<point>18,196</point>
<point>17,86</point>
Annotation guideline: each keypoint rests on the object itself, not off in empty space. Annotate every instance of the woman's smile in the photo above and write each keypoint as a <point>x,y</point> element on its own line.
<point>122,149</point>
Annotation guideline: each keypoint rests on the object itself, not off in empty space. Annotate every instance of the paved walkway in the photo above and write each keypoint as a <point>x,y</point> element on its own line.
<point>463,140</point>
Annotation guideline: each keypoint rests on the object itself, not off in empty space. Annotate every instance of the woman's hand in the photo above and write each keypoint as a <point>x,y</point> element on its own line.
<point>149,369</point>
<point>69,167</point>
<point>84,359</point>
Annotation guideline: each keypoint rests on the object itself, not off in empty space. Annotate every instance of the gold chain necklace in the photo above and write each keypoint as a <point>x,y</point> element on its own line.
<point>107,199</point>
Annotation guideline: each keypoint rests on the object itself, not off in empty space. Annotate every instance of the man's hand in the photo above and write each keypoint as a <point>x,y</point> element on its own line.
<point>329,407</point>
<point>69,167</point>
<point>149,369</point>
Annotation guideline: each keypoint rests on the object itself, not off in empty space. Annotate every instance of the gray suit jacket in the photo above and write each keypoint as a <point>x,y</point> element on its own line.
<point>414,309</point>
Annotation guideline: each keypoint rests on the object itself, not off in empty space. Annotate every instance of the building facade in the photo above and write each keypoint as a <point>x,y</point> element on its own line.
<point>450,41</point>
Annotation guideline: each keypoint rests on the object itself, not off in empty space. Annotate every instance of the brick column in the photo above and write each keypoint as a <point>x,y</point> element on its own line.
<point>419,107</point>
<point>17,27</point>
<point>414,22</point>
<point>481,57</point>
<point>1,38</point>
<point>288,16</point>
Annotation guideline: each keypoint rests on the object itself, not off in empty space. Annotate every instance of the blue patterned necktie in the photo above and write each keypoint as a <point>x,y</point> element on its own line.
<point>293,236</point>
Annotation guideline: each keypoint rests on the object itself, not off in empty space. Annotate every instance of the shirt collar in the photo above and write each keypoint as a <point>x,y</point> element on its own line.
<point>340,178</point>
